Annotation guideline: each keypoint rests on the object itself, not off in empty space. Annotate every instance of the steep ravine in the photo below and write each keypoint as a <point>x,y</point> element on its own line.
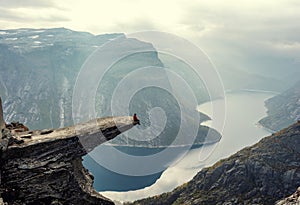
<point>45,166</point>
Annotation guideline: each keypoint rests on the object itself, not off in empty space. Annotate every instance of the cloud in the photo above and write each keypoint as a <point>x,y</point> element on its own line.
<point>26,3</point>
<point>6,14</point>
<point>233,19</point>
<point>32,13</point>
<point>21,16</point>
<point>137,25</point>
<point>257,37</point>
<point>233,32</point>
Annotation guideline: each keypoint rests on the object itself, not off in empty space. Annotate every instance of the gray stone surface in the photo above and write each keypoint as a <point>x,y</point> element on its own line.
<point>45,166</point>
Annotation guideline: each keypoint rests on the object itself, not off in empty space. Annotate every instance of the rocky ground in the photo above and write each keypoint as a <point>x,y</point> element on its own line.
<point>261,174</point>
<point>294,199</point>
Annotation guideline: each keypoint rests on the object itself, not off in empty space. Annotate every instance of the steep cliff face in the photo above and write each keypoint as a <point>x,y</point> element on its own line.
<point>38,69</point>
<point>45,166</point>
<point>260,174</point>
<point>283,109</point>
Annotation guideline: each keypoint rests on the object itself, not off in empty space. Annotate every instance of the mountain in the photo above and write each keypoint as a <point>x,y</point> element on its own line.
<point>283,109</point>
<point>259,174</point>
<point>238,79</point>
<point>257,71</point>
<point>39,70</point>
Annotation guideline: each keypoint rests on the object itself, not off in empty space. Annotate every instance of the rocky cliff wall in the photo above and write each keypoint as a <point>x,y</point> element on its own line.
<point>261,174</point>
<point>45,166</point>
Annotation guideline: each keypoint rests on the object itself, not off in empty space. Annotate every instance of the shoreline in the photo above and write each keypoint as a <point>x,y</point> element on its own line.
<point>193,146</point>
<point>252,91</point>
<point>258,124</point>
<point>228,146</point>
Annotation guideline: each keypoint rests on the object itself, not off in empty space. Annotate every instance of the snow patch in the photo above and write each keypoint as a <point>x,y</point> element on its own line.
<point>22,30</point>
<point>11,39</point>
<point>36,46</point>
<point>34,37</point>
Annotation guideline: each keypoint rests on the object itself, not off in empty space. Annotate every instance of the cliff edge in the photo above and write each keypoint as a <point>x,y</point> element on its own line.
<point>45,166</point>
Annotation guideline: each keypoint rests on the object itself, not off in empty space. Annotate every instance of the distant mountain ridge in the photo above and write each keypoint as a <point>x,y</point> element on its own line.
<point>39,68</point>
<point>260,174</point>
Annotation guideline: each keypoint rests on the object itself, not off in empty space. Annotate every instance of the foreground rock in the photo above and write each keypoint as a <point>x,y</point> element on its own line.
<point>45,166</point>
<point>261,174</point>
<point>294,199</point>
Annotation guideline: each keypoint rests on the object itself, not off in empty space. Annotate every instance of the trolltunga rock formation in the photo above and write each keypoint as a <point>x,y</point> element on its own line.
<point>45,166</point>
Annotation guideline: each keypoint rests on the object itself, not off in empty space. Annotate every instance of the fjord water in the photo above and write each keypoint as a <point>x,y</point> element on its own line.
<point>243,110</point>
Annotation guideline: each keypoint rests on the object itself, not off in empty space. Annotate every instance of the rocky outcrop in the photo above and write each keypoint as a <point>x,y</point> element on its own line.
<point>261,174</point>
<point>294,199</point>
<point>45,166</point>
<point>283,109</point>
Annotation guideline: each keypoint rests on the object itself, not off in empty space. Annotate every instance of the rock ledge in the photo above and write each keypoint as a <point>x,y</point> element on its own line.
<point>45,166</point>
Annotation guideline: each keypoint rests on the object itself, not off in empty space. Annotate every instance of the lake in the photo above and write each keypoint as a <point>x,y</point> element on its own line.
<point>243,110</point>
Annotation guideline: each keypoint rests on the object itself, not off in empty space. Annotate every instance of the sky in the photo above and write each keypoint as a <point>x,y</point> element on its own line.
<point>237,31</point>
<point>189,18</point>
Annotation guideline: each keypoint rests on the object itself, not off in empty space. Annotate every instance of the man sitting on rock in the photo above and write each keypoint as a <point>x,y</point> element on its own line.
<point>135,119</point>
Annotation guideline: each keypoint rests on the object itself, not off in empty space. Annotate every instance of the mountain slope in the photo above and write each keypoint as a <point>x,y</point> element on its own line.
<point>38,72</point>
<point>38,69</point>
<point>260,174</point>
<point>283,109</point>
